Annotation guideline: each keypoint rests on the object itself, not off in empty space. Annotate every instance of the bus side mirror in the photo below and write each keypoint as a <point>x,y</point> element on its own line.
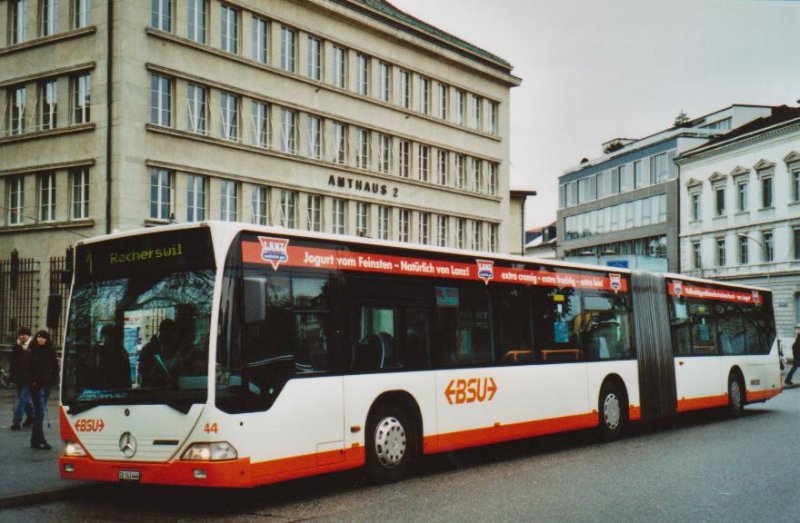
<point>53,310</point>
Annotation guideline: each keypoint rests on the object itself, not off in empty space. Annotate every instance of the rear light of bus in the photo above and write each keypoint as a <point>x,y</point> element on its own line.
<point>74,449</point>
<point>214,451</point>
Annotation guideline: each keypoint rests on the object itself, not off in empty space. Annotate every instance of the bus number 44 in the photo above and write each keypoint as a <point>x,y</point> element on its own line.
<point>211,427</point>
<point>470,390</point>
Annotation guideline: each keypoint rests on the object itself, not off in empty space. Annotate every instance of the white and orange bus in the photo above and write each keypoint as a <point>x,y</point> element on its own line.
<point>231,355</point>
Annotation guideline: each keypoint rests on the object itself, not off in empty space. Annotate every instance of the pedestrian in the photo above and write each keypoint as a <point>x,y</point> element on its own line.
<point>154,368</point>
<point>795,357</point>
<point>40,371</point>
<point>24,405</point>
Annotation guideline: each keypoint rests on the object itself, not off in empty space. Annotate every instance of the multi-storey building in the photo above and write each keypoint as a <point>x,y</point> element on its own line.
<point>345,116</point>
<point>622,208</point>
<point>740,210</point>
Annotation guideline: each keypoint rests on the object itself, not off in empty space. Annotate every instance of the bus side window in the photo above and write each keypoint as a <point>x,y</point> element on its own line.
<point>513,312</point>
<point>415,351</point>
<point>557,324</point>
<point>681,326</point>
<point>376,346</point>
<point>463,332</point>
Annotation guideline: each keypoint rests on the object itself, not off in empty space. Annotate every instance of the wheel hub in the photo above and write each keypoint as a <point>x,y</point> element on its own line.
<point>390,442</point>
<point>611,411</point>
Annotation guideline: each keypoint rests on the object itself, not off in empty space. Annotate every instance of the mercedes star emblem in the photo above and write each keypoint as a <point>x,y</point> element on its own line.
<point>127,444</point>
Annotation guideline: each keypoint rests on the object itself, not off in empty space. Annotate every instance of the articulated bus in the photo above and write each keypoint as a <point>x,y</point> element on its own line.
<point>233,355</point>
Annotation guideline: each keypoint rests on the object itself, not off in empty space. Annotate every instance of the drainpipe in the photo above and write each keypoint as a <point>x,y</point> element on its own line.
<point>109,77</point>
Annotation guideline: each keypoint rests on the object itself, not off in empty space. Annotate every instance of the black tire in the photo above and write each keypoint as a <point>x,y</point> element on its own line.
<point>736,394</point>
<point>391,443</point>
<point>613,410</point>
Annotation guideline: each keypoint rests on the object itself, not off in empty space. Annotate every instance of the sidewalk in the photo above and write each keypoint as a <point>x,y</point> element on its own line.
<point>29,474</point>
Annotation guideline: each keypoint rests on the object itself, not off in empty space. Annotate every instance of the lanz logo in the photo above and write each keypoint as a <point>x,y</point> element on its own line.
<point>677,288</point>
<point>470,390</point>
<point>756,298</point>
<point>274,250</point>
<point>615,281</point>
<point>485,270</point>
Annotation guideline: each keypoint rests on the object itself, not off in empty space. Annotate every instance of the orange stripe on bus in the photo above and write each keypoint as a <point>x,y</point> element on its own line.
<point>634,413</point>
<point>708,402</point>
<point>762,395</point>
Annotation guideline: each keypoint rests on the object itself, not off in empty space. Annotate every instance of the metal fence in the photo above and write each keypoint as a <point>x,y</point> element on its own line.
<point>19,296</point>
<point>59,290</point>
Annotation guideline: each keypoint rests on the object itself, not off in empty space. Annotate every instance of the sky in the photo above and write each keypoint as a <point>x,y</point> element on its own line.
<point>596,70</point>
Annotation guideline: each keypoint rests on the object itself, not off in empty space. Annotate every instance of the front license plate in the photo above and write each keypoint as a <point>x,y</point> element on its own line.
<point>129,475</point>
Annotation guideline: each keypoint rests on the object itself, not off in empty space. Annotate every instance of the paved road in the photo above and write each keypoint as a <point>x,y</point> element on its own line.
<point>708,468</point>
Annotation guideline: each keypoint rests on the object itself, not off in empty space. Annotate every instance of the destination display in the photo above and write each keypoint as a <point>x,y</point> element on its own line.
<point>279,252</point>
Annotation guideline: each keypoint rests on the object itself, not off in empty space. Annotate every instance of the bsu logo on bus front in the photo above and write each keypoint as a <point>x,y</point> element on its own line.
<point>274,250</point>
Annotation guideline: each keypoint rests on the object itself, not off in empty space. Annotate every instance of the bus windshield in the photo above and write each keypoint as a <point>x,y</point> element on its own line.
<point>139,322</point>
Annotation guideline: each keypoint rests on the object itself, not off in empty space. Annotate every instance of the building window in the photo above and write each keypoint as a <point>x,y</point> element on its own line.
<point>314,138</point>
<point>492,178</point>
<point>339,216</point>
<point>314,210</point>
<point>385,81</point>
<point>694,205</point>
<point>477,175</point>
<point>476,241</point>
<point>16,104</point>
<point>229,116</point>
<point>461,171</point>
<point>444,101</point>
<point>441,231</point>
<point>160,194</point>
<point>288,131</point>
<point>229,29</point>
<point>81,14</point>
<point>766,192</point>
<point>260,124</point>
<point>47,197</point>
<point>638,175</point>
<point>796,238</point>
<point>769,246</point>
<point>697,258</point>
<point>362,147</point>
<point>195,198</point>
<point>384,222</point>
<point>720,252</point>
<point>404,226</point>
<point>424,95</point>
<point>795,178</point>
<point>493,237</point>
<point>81,99</point>
<point>228,200</point>
<point>719,195</point>
<point>441,161</point>
<point>288,49</point>
<point>362,219</point>
<point>340,143</point>
<point>385,147</point>
<point>461,107</point>
<point>160,100</point>
<point>461,233</point>
<point>161,15</point>
<point>196,26</point>
<point>405,89</point>
<point>18,17</point>
<point>405,158</point>
<point>259,205</point>
<point>362,83</point>
<point>494,109</point>
<point>198,108</point>
<point>424,162</point>
<point>48,97</point>
<point>314,58</point>
<point>288,208</point>
<point>424,228</point>
<point>79,181</point>
<point>260,40</point>
<point>741,196</point>
<point>659,168</point>
<point>477,106</point>
<point>49,17</point>
<point>15,200</point>
<point>340,67</point>
<point>744,251</point>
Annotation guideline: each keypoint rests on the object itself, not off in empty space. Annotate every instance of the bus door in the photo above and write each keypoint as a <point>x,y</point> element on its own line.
<point>698,366</point>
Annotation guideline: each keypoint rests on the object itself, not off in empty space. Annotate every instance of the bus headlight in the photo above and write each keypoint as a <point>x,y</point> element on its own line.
<point>74,449</point>
<point>214,451</point>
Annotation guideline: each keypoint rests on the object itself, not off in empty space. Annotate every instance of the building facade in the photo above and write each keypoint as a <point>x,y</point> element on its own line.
<point>343,116</point>
<point>740,210</point>
<point>622,208</point>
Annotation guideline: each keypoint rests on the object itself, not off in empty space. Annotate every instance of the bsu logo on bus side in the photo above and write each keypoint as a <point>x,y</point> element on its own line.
<point>274,250</point>
<point>470,390</point>
<point>485,270</point>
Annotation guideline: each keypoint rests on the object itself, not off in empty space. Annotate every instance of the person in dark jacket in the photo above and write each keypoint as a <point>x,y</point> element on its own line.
<point>24,405</point>
<point>40,372</point>
<point>796,357</point>
<point>155,361</point>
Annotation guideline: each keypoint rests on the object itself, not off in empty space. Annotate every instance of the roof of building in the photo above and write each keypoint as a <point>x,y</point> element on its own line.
<point>780,114</point>
<point>406,19</point>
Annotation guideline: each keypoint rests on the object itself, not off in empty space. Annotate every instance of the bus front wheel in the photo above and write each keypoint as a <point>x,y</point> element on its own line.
<point>613,409</point>
<point>391,443</point>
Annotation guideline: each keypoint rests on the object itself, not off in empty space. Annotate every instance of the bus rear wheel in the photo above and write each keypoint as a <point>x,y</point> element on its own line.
<point>391,443</point>
<point>613,409</point>
<point>736,394</point>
